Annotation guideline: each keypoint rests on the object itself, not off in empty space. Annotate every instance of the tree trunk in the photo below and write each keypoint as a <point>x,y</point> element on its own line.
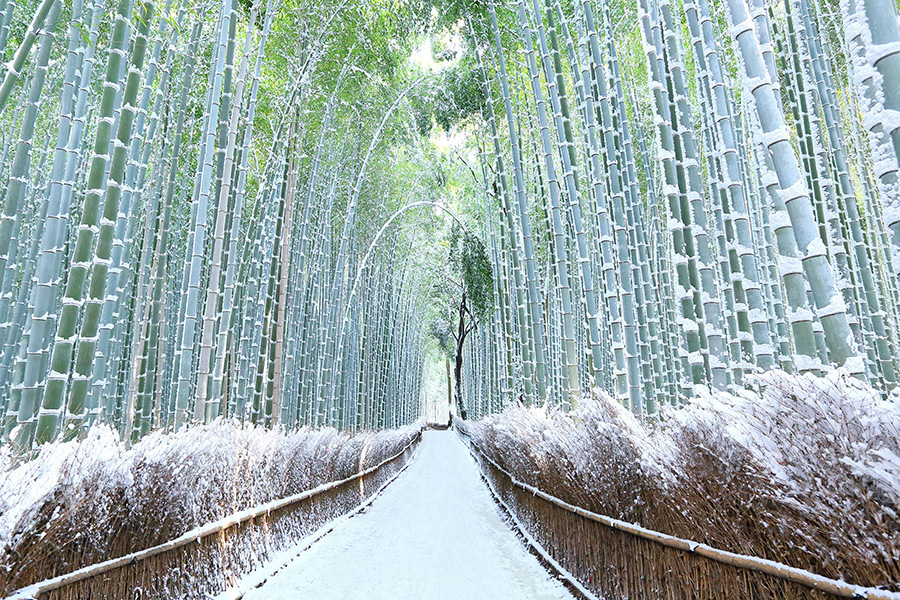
<point>457,367</point>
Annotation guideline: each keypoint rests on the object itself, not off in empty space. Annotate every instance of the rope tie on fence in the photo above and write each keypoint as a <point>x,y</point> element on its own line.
<point>198,534</point>
<point>782,571</point>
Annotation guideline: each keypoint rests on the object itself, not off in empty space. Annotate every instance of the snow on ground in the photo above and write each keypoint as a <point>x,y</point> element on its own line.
<point>85,501</point>
<point>434,534</point>
<point>800,469</point>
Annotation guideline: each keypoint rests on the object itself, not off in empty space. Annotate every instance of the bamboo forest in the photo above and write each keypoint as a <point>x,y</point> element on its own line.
<point>610,288</point>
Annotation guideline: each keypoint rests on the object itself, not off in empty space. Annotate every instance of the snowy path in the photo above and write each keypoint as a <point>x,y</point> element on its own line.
<point>434,534</point>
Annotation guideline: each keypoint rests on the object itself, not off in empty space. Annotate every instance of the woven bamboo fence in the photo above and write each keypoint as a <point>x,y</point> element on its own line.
<point>602,557</point>
<point>210,559</point>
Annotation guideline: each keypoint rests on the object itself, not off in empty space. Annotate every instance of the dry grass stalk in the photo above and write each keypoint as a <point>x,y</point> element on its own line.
<point>616,564</point>
<point>179,482</point>
<point>790,474</point>
<point>216,561</point>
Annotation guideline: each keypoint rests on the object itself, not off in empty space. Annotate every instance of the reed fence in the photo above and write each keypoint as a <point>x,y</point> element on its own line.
<point>207,560</point>
<point>602,557</point>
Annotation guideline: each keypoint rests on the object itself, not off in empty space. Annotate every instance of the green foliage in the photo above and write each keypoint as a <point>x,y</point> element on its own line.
<point>460,93</point>
<point>439,329</point>
<point>421,102</point>
<point>451,12</point>
<point>469,259</point>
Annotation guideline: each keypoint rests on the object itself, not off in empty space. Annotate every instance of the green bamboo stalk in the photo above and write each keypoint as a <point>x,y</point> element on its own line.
<point>61,359</point>
<point>793,192</point>
<point>14,68</point>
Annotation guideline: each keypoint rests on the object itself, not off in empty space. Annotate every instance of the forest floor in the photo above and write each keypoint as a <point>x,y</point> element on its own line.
<point>435,533</point>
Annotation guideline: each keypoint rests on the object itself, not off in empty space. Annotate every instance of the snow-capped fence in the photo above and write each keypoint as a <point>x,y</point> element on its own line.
<point>609,558</point>
<point>207,559</point>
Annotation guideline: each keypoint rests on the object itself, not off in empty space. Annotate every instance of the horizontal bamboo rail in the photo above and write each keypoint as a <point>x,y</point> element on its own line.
<point>584,553</point>
<point>240,540</point>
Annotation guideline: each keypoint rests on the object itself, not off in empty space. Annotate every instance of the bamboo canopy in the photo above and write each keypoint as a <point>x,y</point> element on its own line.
<point>204,205</point>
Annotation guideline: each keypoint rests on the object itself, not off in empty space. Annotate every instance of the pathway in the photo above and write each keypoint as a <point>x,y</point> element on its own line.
<point>434,534</point>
